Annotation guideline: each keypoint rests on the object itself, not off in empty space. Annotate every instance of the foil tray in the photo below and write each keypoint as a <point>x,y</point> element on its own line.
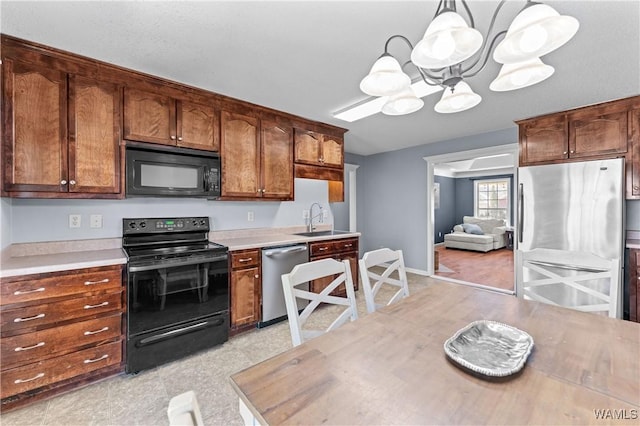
<point>489,348</point>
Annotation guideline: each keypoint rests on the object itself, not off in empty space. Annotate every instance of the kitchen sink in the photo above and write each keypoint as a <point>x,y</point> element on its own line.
<point>321,233</point>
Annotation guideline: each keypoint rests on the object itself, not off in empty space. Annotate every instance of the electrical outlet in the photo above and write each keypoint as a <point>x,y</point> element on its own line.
<point>250,216</point>
<point>75,220</point>
<point>305,214</point>
<point>95,221</point>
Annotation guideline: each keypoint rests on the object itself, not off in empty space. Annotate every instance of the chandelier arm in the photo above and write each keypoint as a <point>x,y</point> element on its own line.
<point>429,79</point>
<point>466,7</point>
<point>486,58</point>
<point>483,49</point>
<point>438,9</point>
<point>386,45</point>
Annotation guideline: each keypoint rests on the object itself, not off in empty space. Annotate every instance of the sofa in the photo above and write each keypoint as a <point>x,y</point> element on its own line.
<point>477,234</point>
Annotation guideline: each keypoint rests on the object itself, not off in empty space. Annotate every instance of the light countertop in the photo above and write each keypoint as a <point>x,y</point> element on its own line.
<point>35,258</point>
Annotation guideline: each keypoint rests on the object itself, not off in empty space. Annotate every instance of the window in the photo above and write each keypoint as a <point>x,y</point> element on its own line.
<point>493,199</point>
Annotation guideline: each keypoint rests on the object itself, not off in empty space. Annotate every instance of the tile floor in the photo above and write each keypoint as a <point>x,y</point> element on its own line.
<point>142,399</point>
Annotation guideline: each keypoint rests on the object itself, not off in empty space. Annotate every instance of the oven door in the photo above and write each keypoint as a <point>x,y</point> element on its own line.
<point>176,292</point>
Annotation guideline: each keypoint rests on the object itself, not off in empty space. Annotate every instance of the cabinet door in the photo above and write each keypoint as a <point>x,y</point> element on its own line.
<point>277,161</point>
<point>240,152</point>
<point>149,117</point>
<point>320,284</point>
<point>308,147</point>
<point>332,151</point>
<point>543,140</point>
<point>598,131</point>
<point>197,126</point>
<point>94,136</point>
<point>35,128</point>
<point>245,296</point>
<point>634,167</point>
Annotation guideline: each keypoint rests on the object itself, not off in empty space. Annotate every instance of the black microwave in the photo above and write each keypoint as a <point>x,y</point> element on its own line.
<point>171,172</point>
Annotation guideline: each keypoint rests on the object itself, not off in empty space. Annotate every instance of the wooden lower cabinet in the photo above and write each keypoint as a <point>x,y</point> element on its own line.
<point>246,286</point>
<point>339,249</point>
<point>634,285</point>
<point>59,330</point>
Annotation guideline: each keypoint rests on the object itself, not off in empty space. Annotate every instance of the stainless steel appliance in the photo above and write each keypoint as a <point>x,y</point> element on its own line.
<point>158,171</point>
<point>275,262</point>
<point>576,209</point>
<point>177,290</point>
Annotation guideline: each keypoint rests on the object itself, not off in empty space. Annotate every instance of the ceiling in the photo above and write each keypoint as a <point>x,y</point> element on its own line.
<point>308,58</point>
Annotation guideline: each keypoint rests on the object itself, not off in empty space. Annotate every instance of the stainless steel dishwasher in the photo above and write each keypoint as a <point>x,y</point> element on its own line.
<point>275,262</point>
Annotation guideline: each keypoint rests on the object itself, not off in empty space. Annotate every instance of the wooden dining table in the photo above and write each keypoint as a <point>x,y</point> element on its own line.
<point>389,367</point>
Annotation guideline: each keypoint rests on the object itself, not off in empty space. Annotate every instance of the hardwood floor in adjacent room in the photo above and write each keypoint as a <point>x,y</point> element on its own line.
<point>493,268</point>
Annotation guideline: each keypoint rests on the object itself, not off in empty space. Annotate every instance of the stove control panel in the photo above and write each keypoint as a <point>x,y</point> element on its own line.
<point>164,225</point>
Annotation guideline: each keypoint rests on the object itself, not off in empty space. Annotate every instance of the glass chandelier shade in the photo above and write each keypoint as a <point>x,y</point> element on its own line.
<point>404,102</point>
<point>536,31</point>
<point>447,41</point>
<point>458,98</point>
<point>385,78</point>
<point>521,74</point>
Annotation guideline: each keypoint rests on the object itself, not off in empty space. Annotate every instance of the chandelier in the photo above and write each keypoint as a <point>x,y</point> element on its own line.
<point>452,51</point>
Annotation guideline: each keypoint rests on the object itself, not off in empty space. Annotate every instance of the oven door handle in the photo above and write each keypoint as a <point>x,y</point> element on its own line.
<point>174,264</point>
<point>179,332</point>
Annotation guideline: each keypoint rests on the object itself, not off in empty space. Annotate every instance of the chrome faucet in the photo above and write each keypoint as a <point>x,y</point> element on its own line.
<point>310,226</point>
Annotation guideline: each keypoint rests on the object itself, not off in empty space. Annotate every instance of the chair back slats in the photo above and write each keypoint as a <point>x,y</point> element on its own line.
<point>393,262</point>
<point>576,280</point>
<point>306,273</point>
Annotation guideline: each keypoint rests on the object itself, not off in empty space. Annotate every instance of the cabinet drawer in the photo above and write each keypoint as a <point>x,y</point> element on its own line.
<point>31,347</point>
<point>74,282</point>
<point>321,248</point>
<point>32,376</point>
<point>637,252</point>
<point>36,316</point>
<point>348,244</point>
<point>245,259</point>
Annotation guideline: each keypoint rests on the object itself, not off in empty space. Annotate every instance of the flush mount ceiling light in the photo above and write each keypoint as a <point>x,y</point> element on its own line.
<point>452,51</point>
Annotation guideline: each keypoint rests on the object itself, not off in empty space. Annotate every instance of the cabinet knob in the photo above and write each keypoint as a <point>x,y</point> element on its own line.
<point>173,138</point>
<point>179,138</point>
<point>264,190</point>
<point>63,182</point>
<point>572,152</point>
<point>564,153</point>
<point>256,276</point>
<point>72,182</point>
<point>636,187</point>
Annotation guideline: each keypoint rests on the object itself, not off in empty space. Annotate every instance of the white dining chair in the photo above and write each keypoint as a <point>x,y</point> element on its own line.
<point>576,280</point>
<point>184,410</point>
<point>295,288</point>
<point>393,275</point>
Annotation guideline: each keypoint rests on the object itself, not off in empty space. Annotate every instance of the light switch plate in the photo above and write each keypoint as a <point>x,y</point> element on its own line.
<point>95,221</point>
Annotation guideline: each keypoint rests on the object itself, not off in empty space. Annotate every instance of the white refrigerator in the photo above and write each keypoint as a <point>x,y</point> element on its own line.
<point>569,238</point>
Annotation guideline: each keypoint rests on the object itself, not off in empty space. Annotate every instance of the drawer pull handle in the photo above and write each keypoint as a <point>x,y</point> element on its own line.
<point>37,376</point>
<point>89,333</point>
<point>106,280</point>
<point>89,361</point>
<point>246,259</point>
<point>29,318</point>
<point>19,292</point>
<point>99,305</point>
<point>26,348</point>
<point>323,248</point>
<point>348,245</point>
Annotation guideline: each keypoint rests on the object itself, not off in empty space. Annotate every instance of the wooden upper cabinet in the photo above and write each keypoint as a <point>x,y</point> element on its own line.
<point>598,131</point>
<point>318,149</point>
<point>94,136</point>
<point>633,168</point>
<point>277,160</point>
<point>35,128</point>
<point>149,117</point>
<point>62,133</point>
<point>257,158</point>
<point>543,140</point>
<point>157,118</point>
<point>197,126</point>
<point>240,153</point>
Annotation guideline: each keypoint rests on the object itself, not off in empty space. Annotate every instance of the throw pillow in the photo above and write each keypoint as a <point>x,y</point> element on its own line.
<point>472,228</point>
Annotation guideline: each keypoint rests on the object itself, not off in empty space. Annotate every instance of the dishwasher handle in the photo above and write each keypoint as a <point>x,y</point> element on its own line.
<point>284,250</point>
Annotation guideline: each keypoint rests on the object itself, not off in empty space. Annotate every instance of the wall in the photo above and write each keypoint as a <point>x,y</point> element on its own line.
<point>5,222</point>
<point>445,217</point>
<point>465,193</point>
<point>31,220</point>
<point>633,215</point>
